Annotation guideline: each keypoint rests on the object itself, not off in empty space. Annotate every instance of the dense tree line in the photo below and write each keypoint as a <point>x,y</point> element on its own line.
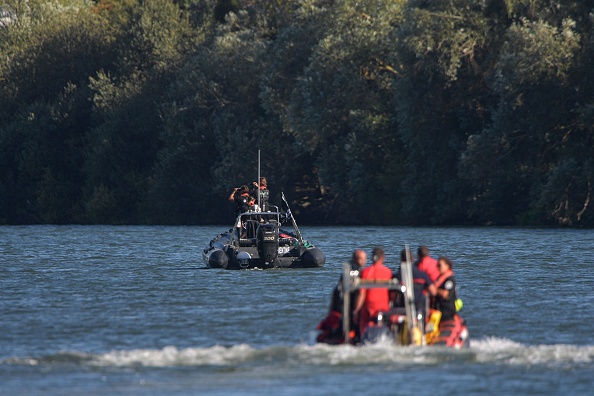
<point>370,111</point>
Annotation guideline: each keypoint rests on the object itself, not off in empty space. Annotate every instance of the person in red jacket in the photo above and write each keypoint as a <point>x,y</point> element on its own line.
<point>427,263</point>
<point>372,301</point>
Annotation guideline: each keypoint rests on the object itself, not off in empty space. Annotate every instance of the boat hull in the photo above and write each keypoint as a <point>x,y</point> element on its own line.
<point>247,254</point>
<point>452,333</point>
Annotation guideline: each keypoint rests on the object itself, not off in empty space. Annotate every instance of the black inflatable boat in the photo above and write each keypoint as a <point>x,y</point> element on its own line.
<point>258,241</point>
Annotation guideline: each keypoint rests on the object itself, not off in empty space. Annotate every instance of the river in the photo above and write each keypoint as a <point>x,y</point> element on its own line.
<point>130,310</point>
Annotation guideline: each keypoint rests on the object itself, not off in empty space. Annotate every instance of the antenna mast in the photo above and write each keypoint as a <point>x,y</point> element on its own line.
<point>259,195</point>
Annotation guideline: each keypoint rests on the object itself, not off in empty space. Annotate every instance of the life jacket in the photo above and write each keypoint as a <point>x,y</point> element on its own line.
<point>429,266</point>
<point>442,278</point>
<point>447,305</point>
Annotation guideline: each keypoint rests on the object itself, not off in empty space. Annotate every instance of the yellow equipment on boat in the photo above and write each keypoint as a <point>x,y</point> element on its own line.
<point>432,329</point>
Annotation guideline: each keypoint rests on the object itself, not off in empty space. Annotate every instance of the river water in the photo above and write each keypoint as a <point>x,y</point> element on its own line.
<point>128,310</point>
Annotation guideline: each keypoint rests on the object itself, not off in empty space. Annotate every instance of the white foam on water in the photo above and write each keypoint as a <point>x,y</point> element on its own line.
<point>319,354</point>
<point>172,356</point>
<point>491,350</point>
<point>504,351</point>
<point>378,353</point>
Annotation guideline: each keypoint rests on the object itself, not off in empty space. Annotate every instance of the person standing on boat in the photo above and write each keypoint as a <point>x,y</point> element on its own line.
<point>253,204</point>
<point>427,264</point>
<point>262,190</point>
<point>422,284</point>
<point>240,197</point>
<point>331,326</point>
<point>251,221</point>
<point>357,262</point>
<point>445,300</point>
<point>371,301</point>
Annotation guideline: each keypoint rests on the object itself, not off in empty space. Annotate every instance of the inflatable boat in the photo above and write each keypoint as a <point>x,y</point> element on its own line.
<point>257,241</point>
<point>402,325</point>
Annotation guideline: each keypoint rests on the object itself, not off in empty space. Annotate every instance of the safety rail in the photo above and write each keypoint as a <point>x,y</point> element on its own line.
<point>253,217</point>
<point>351,282</point>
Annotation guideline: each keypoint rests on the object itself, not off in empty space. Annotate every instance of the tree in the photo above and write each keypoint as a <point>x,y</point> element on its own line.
<point>46,55</point>
<point>123,147</point>
<point>509,161</point>
<point>341,112</point>
<point>440,98</point>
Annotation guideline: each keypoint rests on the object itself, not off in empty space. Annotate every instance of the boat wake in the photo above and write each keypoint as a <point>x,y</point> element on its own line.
<point>496,351</point>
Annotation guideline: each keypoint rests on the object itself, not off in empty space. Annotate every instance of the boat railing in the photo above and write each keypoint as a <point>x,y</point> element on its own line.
<point>250,221</point>
<point>351,281</point>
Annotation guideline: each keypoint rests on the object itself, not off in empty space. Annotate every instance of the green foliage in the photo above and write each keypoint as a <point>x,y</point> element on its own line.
<point>516,162</point>
<point>341,110</point>
<point>375,111</point>
<point>440,99</point>
<point>536,51</point>
<point>445,34</point>
<point>46,53</point>
<point>41,160</point>
<point>48,46</point>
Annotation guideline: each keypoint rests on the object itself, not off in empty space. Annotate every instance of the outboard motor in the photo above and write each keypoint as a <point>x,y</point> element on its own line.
<point>267,241</point>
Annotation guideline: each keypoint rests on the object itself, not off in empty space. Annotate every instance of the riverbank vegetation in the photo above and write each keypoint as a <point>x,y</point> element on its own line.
<point>366,112</point>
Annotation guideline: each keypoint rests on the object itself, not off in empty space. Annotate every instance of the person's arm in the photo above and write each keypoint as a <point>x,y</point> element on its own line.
<point>429,285</point>
<point>232,196</point>
<point>450,284</point>
<point>360,301</point>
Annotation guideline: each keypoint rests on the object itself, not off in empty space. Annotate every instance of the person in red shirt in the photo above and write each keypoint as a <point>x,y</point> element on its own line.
<point>372,301</point>
<point>427,263</point>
